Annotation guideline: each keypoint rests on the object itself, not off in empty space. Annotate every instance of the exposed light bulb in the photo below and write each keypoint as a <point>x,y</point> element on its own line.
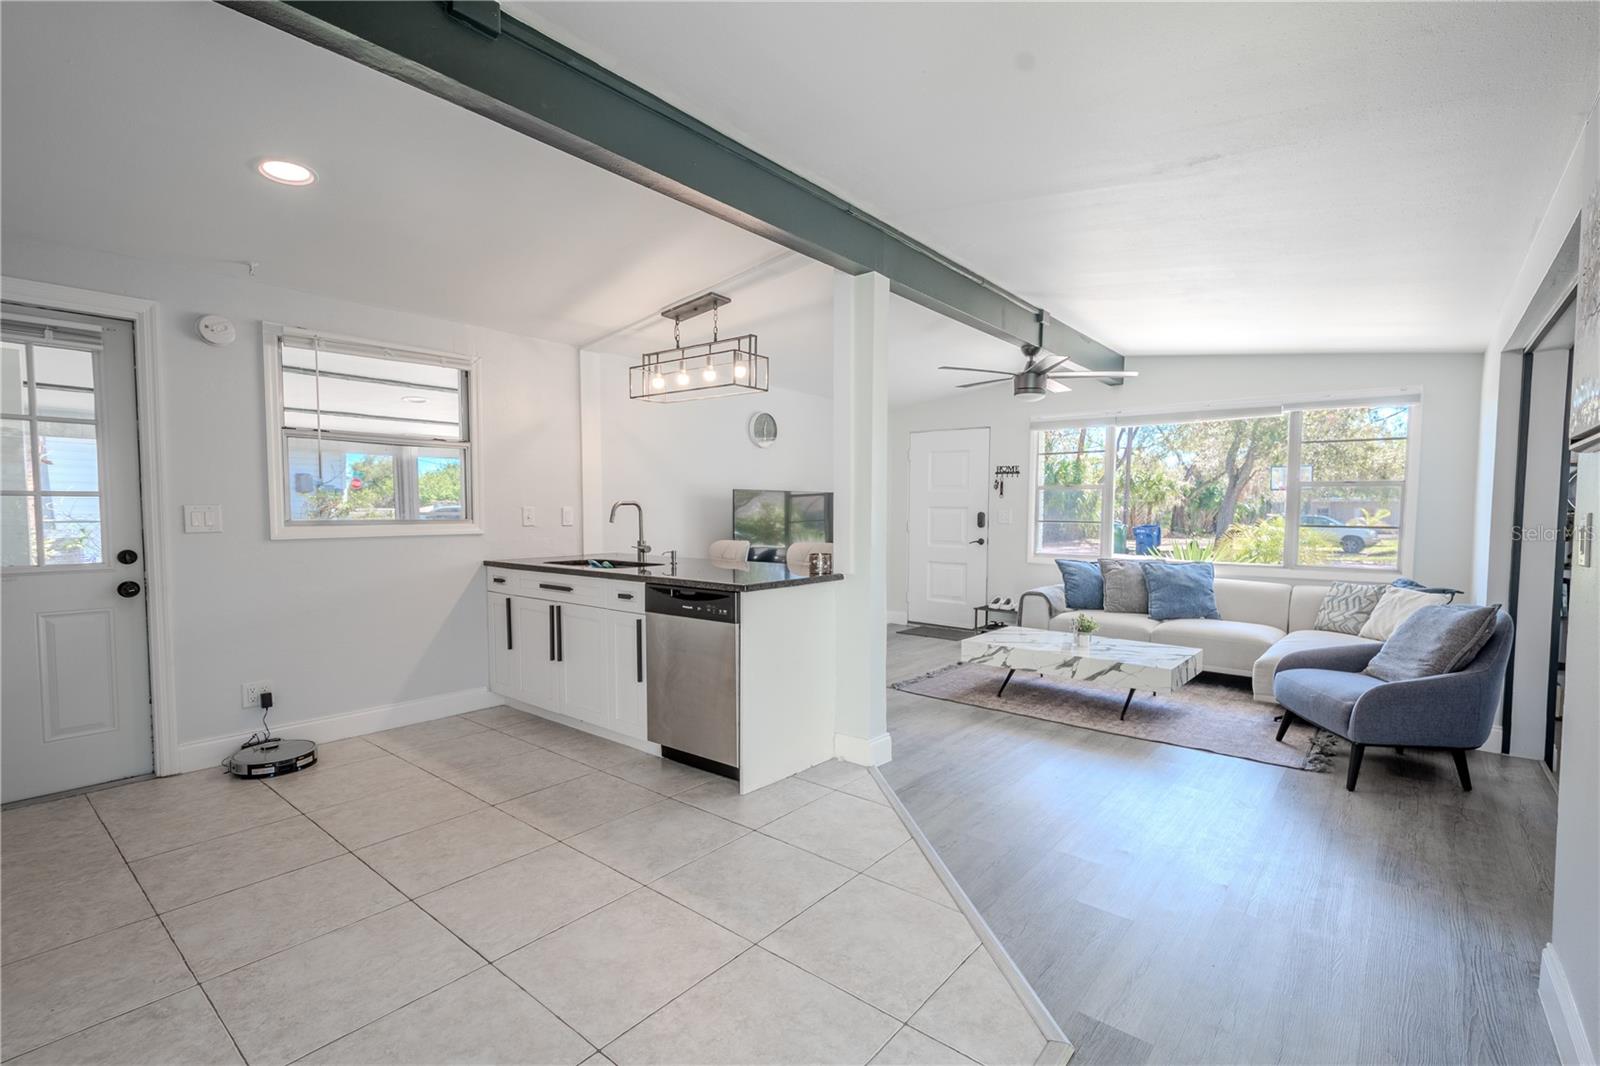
<point>739,371</point>
<point>709,373</point>
<point>681,377</point>
<point>658,382</point>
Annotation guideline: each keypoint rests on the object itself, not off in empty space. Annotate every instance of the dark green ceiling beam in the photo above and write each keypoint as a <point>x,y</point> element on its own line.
<point>472,54</point>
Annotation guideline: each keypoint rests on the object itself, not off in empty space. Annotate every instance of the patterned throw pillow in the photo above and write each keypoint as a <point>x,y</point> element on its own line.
<point>1347,606</point>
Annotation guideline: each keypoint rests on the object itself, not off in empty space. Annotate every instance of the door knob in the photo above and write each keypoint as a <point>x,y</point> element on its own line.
<point>127,556</point>
<point>980,540</point>
<point>128,589</point>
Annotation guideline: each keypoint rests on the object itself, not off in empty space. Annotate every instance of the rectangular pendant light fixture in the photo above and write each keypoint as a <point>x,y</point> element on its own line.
<point>722,366</point>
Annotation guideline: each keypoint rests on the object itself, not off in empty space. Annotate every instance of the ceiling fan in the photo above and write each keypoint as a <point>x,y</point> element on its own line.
<point>1032,382</point>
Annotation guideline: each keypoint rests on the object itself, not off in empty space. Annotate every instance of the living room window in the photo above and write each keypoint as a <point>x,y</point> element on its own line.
<point>368,440</point>
<point>1221,488</point>
<point>1070,495</point>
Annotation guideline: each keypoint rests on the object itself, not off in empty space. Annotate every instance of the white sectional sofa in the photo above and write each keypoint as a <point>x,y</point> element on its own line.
<point>1262,621</point>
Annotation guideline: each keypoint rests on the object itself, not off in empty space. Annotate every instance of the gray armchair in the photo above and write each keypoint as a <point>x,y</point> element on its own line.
<point>1454,712</point>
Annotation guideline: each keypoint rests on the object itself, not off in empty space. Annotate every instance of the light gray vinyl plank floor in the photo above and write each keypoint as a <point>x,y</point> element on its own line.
<point>1174,906</point>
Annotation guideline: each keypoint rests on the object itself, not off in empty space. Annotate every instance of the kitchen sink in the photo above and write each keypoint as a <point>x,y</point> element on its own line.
<point>605,564</point>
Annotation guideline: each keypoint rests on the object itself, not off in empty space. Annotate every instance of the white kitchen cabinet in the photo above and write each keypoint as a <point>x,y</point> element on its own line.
<point>538,672</point>
<point>567,655</point>
<point>504,675</point>
<point>627,672</point>
<point>583,644</point>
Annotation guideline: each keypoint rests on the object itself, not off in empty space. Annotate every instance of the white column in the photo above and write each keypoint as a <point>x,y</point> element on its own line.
<point>591,430</point>
<point>861,513</point>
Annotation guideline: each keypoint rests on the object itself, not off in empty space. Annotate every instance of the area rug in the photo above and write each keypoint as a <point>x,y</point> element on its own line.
<point>1205,714</point>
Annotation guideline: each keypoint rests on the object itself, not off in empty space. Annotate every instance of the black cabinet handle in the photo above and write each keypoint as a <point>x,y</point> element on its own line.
<point>624,595</point>
<point>560,637</point>
<point>556,588</point>
<point>551,611</point>
<point>509,625</point>
<point>638,649</point>
<point>498,580</point>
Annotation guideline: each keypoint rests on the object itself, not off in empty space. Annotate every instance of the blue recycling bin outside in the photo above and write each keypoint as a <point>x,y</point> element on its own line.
<point>1146,539</point>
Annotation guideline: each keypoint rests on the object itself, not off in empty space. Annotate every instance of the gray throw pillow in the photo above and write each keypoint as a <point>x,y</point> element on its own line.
<point>1438,639</point>
<point>1125,590</point>
<point>1347,606</point>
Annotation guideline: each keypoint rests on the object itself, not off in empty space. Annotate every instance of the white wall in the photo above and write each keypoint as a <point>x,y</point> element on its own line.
<point>1447,440</point>
<point>336,625</point>
<point>1496,450</point>
<point>1572,962</point>
<point>682,461</point>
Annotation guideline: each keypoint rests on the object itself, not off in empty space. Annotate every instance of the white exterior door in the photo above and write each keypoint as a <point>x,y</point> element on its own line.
<point>949,498</point>
<point>74,650</point>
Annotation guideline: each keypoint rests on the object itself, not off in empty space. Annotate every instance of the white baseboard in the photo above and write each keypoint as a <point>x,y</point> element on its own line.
<point>863,751</point>
<point>638,743</point>
<point>1561,1012</point>
<point>203,754</point>
<point>897,618</point>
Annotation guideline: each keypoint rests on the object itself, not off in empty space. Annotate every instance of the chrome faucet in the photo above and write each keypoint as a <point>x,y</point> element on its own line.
<point>640,546</point>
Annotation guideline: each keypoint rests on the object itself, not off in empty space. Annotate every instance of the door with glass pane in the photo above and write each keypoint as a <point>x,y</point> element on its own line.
<point>73,645</point>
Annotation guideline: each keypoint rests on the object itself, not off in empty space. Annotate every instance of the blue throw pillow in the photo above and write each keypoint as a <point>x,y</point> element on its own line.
<point>1181,590</point>
<point>1085,590</point>
<point>1417,586</point>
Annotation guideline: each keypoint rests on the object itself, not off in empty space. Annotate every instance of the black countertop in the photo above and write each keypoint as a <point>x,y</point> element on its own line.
<point>689,573</point>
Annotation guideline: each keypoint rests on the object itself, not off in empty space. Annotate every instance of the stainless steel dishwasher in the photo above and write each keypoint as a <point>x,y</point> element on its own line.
<point>692,688</point>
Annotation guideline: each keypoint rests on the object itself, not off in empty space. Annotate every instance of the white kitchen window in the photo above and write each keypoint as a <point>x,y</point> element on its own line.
<point>368,439</point>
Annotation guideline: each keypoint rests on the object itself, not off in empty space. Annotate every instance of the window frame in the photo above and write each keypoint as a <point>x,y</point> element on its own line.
<point>278,437</point>
<point>96,352</point>
<point>1036,490</point>
<point>1293,411</point>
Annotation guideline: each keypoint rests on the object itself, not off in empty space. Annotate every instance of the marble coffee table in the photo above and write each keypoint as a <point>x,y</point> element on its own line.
<point>1135,665</point>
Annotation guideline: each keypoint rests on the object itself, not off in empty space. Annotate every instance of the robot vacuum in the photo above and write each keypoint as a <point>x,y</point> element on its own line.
<point>272,758</point>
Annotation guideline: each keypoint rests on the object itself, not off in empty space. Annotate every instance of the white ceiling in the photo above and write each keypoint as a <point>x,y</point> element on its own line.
<point>1169,178</point>
<point>134,128</point>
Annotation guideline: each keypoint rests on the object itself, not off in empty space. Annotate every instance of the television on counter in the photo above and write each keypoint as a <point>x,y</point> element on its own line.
<point>773,519</point>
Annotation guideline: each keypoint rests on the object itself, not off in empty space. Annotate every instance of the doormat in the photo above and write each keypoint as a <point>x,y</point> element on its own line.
<point>1205,714</point>
<point>941,632</point>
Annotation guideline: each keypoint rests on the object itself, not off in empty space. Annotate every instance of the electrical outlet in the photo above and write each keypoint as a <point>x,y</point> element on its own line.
<point>251,692</point>
<point>528,516</point>
<point>1003,516</point>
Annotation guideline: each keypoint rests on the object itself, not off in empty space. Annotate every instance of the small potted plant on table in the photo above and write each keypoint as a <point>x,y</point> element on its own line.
<point>1084,628</point>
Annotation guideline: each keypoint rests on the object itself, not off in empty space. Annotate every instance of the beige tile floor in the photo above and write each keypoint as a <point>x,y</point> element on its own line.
<point>490,888</point>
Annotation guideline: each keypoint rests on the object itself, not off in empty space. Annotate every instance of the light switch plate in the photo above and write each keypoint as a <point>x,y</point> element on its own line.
<point>566,516</point>
<point>528,517</point>
<point>202,518</point>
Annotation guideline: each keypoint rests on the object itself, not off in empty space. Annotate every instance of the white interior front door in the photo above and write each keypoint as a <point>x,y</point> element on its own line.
<point>949,529</point>
<point>73,644</point>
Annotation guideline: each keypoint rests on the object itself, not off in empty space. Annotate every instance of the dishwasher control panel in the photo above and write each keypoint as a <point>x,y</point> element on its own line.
<point>703,604</point>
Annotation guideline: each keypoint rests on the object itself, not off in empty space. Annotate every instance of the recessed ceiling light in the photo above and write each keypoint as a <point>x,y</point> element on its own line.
<point>414,399</point>
<point>284,172</point>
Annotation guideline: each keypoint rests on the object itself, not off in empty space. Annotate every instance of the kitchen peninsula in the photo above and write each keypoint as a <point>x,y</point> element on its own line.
<point>725,666</point>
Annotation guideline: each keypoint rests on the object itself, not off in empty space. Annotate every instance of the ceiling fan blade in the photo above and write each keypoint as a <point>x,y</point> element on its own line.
<point>980,384</point>
<point>978,370</point>
<point>1052,385</point>
<point>1095,374</point>
<point>1049,367</point>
